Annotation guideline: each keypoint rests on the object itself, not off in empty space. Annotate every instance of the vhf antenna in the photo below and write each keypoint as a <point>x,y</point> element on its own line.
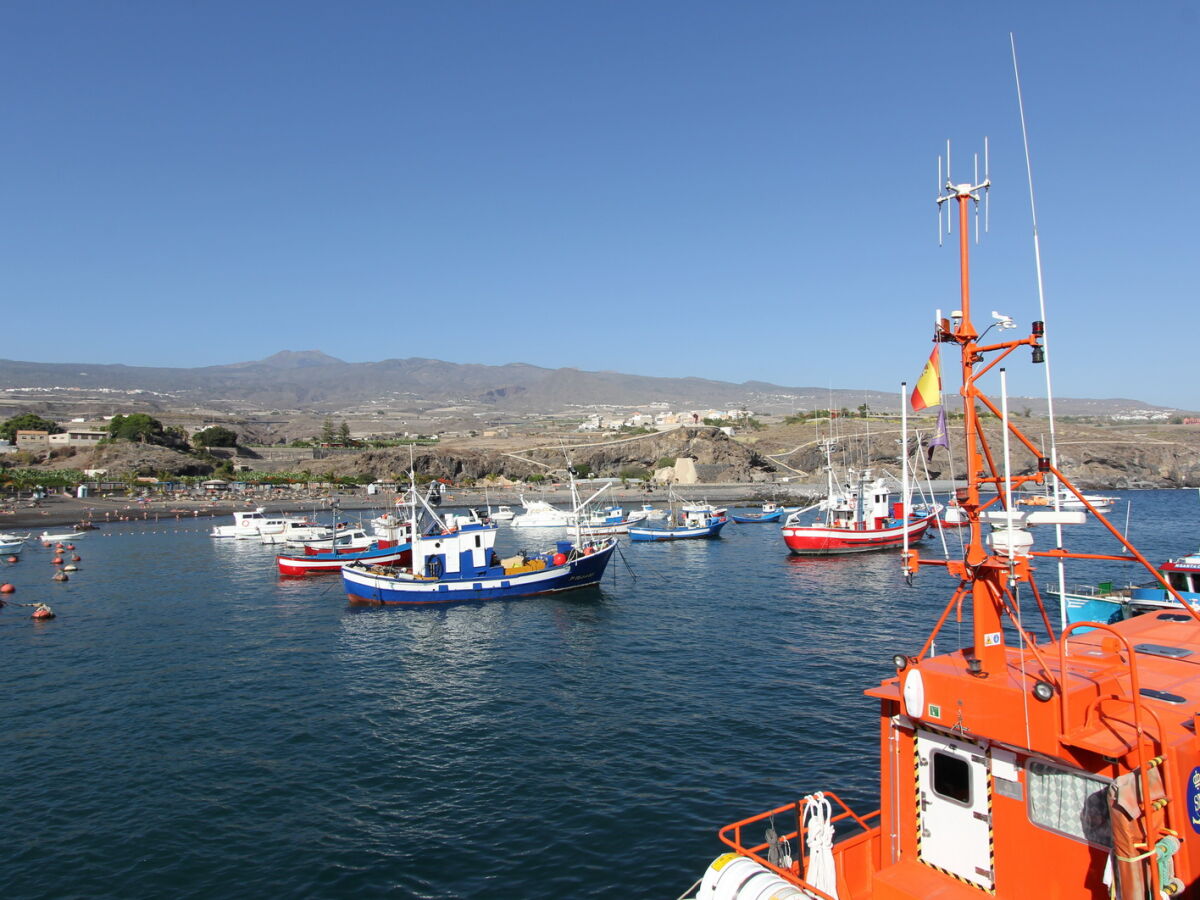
<point>948,190</point>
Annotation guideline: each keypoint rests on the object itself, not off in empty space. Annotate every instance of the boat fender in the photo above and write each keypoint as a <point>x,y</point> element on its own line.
<point>559,559</point>
<point>588,551</point>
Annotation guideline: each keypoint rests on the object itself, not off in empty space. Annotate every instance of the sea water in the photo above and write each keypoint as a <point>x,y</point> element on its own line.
<point>192,725</point>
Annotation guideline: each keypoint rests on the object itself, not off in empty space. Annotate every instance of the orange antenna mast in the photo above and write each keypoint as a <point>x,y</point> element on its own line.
<point>994,563</point>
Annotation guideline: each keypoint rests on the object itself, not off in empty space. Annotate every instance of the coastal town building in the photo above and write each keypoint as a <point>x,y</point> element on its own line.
<point>77,437</point>
<point>33,440</point>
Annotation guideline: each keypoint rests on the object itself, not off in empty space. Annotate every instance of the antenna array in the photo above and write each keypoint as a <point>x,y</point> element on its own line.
<point>948,190</point>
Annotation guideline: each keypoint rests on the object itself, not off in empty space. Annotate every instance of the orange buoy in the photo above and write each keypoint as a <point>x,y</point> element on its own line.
<point>42,612</point>
<point>6,588</point>
<point>588,551</point>
<point>76,558</point>
<point>60,576</point>
<point>13,559</point>
<point>559,559</point>
<point>58,560</point>
<point>70,546</point>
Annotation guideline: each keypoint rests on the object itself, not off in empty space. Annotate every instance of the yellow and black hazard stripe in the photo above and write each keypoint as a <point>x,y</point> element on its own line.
<point>921,826</point>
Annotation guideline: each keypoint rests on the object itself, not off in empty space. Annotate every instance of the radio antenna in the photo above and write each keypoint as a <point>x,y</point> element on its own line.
<point>976,190</point>
<point>1037,259</point>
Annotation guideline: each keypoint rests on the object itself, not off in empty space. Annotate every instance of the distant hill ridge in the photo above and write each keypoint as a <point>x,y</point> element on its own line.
<point>311,379</point>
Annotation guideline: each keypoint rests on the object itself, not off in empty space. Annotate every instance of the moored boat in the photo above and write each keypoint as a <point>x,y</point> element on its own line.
<point>47,537</point>
<point>857,516</point>
<point>692,522</point>
<point>320,562</point>
<point>244,527</point>
<point>1065,499</point>
<point>455,561</point>
<point>770,512</point>
<point>540,514</point>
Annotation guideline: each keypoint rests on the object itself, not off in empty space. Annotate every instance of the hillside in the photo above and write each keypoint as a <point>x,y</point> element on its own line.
<point>315,382</point>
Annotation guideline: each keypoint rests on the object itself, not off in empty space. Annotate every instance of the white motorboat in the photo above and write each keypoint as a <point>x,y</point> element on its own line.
<point>13,538</point>
<point>346,538</point>
<point>540,514</point>
<point>244,527</point>
<point>12,548</point>
<point>502,514</point>
<point>292,531</point>
<point>47,537</point>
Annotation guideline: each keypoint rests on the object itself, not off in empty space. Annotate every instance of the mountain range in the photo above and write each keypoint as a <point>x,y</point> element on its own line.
<point>312,380</point>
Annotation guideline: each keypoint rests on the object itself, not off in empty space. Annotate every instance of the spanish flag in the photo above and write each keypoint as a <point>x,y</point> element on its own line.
<point>928,391</point>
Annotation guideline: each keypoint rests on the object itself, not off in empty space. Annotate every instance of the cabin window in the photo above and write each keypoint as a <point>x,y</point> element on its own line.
<point>1178,580</point>
<point>1072,803</point>
<point>477,544</point>
<point>951,777</point>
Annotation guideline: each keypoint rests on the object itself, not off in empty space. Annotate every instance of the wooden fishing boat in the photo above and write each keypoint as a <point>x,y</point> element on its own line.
<point>857,516</point>
<point>694,521</point>
<point>771,512</point>
<point>454,561</point>
<point>1017,766</point>
<point>315,562</point>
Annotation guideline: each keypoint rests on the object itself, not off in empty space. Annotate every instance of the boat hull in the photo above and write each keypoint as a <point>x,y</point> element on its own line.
<point>753,518</point>
<point>677,534</point>
<point>364,588</point>
<point>820,540</point>
<point>320,563</point>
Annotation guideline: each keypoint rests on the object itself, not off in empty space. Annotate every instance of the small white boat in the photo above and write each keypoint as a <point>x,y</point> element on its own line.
<point>647,513</point>
<point>244,527</point>
<point>47,537</point>
<point>292,531</point>
<point>502,514</point>
<point>1067,500</point>
<point>347,539</point>
<point>12,548</point>
<point>540,514</point>
<point>13,538</point>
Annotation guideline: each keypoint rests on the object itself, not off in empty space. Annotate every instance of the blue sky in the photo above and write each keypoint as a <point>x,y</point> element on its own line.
<point>733,191</point>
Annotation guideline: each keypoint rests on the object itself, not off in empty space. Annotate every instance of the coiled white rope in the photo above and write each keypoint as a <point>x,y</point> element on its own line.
<point>821,872</point>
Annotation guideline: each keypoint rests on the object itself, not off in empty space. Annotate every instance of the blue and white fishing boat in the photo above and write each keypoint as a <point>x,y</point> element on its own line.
<point>696,520</point>
<point>1106,603</point>
<point>771,512</point>
<point>12,548</point>
<point>454,561</point>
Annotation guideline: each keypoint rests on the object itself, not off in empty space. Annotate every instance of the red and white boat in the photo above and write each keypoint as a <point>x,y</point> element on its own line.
<point>856,517</point>
<point>315,562</point>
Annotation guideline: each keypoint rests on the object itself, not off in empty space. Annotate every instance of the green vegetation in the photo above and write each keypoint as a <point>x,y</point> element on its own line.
<point>215,436</point>
<point>27,422</point>
<point>25,479</point>
<point>583,470</point>
<point>634,473</point>
<point>640,429</point>
<point>665,462</point>
<point>146,430</point>
<point>535,478</point>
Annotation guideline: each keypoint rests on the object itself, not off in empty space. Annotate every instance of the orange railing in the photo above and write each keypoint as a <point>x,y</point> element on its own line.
<point>1147,749</point>
<point>732,836</point>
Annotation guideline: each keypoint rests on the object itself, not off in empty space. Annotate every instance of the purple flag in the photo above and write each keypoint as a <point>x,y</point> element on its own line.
<point>941,438</point>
